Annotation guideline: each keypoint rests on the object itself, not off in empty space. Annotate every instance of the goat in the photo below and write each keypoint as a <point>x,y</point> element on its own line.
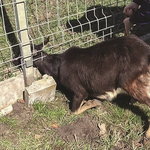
<point>101,71</point>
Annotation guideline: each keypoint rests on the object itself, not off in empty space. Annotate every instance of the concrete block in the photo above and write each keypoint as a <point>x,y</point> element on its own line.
<point>6,110</point>
<point>41,90</point>
<point>11,90</point>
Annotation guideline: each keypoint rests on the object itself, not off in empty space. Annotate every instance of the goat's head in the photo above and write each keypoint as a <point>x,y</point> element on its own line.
<point>46,64</point>
<point>36,49</point>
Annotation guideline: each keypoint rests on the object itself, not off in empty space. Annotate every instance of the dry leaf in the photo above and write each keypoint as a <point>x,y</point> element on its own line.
<point>37,136</point>
<point>102,128</point>
<point>55,125</point>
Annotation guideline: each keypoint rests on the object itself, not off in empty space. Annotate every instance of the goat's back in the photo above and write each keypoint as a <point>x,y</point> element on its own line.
<point>98,68</point>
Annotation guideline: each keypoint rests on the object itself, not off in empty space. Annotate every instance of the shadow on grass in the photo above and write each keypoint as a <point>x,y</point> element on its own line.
<point>123,101</point>
<point>101,20</point>
<point>104,21</point>
<point>10,33</point>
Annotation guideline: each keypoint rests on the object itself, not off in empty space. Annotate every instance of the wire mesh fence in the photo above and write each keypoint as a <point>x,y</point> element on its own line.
<point>66,22</point>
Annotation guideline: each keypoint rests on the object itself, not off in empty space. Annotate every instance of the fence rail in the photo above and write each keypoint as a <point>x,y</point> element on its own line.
<point>66,23</point>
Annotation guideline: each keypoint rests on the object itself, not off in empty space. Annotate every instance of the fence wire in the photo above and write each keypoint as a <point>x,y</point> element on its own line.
<point>66,22</point>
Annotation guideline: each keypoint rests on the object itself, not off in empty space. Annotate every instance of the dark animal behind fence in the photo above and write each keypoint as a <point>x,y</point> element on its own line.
<point>101,71</point>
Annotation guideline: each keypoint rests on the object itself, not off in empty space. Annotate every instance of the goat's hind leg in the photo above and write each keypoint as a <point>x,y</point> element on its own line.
<point>140,90</point>
<point>147,102</point>
<point>148,131</point>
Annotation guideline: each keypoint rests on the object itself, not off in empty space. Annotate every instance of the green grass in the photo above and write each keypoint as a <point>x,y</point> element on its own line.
<point>53,114</point>
<point>124,128</point>
<point>10,122</point>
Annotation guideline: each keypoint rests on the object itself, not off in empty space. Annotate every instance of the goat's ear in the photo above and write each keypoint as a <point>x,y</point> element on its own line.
<point>33,49</point>
<point>40,46</point>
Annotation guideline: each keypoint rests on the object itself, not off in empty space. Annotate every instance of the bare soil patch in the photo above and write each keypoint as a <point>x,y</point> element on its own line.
<point>82,129</point>
<point>21,115</point>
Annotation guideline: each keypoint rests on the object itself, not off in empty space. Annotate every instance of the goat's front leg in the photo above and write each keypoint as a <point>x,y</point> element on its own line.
<point>87,105</point>
<point>78,103</point>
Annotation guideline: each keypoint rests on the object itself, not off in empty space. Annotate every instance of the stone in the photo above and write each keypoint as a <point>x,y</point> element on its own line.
<point>11,90</point>
<point>41,90</point>
<point>6,111</point>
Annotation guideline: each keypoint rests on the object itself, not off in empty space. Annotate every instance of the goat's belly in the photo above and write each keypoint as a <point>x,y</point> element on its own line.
<point>110,95</point>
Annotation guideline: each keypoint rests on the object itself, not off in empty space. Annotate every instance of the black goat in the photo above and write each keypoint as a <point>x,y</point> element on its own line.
<point>101,71</point>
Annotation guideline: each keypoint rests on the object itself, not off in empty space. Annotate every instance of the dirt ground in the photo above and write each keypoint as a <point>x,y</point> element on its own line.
<point>21,113</point>
<point>82,129</point>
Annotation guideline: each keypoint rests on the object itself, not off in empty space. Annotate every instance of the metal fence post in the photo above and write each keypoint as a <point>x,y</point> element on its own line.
<point>25,49</point>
